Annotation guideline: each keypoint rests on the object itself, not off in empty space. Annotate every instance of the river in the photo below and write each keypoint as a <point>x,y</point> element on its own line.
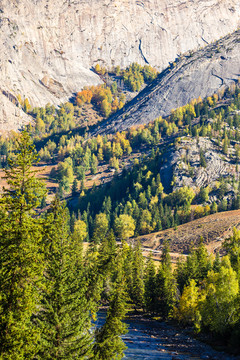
<point>152,340</point>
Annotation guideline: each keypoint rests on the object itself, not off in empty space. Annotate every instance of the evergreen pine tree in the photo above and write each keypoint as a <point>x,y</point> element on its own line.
<point>107,252</point>
<point>72,221</point>
<point>217,263</point>
<point>74,187</point>
<point>191,269</point>
<point>64,317</point>
<point>21,263</point>
<point>137,294</point>
<point>150,285</point>
<point>106,263</point>
<point>109,345</point>
<point>166,289</point>
<point>181,275</point>
<point>165,256</point>
<point>100,266</point>
<point>43,202</point>
<point>128,267</point>
<point>203,261</point>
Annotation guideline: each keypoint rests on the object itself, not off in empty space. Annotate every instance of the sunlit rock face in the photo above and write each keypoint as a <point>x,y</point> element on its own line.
<point>201,73</point>
<point>49,47</point>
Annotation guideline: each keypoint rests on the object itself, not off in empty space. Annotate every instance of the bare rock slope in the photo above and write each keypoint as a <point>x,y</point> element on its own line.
<point>49,46</point>
<point>197,74</point>
<point>182,162</point>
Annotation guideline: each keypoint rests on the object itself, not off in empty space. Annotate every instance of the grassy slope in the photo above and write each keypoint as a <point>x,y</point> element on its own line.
<point>213,228</point>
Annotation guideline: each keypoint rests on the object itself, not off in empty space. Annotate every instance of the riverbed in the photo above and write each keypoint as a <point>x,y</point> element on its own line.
<point>151,340</point>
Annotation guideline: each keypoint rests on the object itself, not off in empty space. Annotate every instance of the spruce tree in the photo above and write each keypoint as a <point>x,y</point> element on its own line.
<point>109,345</point>
<point>21,261</point>
<point>64,317</point>
<point>166,289</point>
<point>107,253</point>
<point>106,266</point>
<point>150,285</point>
<point>203,261</point>
<point>137,294</point>
<point>74,187</point>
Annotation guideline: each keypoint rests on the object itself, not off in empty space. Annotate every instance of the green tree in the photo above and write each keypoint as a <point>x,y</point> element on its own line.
<point>107,257</point>
<point>196,267</point>
<point>109,345</point>
<point>74,187</point>
<point>214,208</point>
<point>101,225</point>
<point>225,145</point>
<point>187,311</point>
<point>26,105</point>
<point>80,230</point>
<point>114,163</point>
<point>183,196</point>
<point>127,252</point>
<point>137,295</point>
<point>150,285</point>
<point>65,170</point>
<point>166,289</point>
<point>63,318</point>
<point>80,172</point>
<point>107,206</point>
<point>218,309</point>
<point>203,194</point>
<point>145,226</point>
<point>94,164</point>
<point>232,245</point>
<point>124,226</point>
<point>201,263</point>
<point>21,261</point>
<point>203,162</point>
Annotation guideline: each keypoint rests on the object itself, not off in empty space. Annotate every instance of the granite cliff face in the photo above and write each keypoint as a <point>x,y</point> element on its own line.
<point>198,74</point>
<point>49,46</point>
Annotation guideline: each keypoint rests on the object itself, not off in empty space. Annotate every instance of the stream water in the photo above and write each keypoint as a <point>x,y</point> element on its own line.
<point>146,340</point>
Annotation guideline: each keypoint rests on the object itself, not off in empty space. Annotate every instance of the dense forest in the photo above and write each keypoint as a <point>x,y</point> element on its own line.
<point>48,306</point>
<point>50,287</point>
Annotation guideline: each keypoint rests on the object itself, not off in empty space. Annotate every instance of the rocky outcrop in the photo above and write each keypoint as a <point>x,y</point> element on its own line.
<point>197,74</point>
<point>183,164</point>
<point>48,47</point>
<point>11,116</point>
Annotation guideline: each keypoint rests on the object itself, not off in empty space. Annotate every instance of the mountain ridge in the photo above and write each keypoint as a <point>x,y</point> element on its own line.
<point>50,47</point>
<point>196,74</point>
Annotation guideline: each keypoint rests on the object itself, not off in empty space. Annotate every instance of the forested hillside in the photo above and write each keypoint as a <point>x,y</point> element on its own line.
<point>173,170</point>
<point>48,306</point>
<point>119,179</point>
<point>163,174</point>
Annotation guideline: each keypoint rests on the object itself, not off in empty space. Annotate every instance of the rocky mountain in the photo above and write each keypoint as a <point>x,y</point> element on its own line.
<point>183,165</point>
<point>49,47</point>
<point>200,73</point>
<point>12,117</point>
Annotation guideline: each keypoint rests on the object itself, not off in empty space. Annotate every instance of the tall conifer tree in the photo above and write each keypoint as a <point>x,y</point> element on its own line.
<point>166,289</point>
<point>150,285</point>
<point>109,345</point>
<point>21,263</point>
<point>64,317</point>
<point>137,295</point>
